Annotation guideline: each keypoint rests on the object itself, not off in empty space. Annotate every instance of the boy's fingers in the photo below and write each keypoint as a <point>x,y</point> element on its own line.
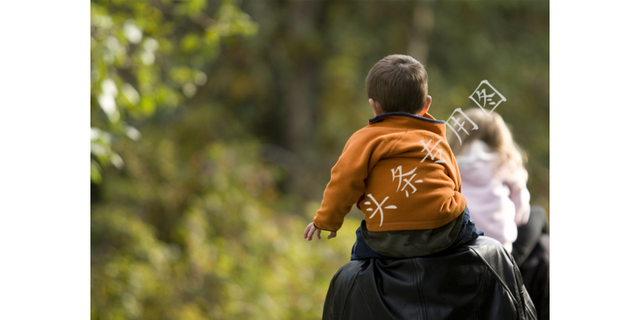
<point>311,229</point>
<point>308,232</point>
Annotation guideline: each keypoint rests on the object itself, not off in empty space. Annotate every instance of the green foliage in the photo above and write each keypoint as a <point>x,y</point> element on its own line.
<point>136,68</point>
<point>190,231</point>
<point>214,127</point>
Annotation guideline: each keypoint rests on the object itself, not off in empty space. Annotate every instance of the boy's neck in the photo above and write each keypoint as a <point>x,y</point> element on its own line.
<point>419,114</point>
<point>377,107</point>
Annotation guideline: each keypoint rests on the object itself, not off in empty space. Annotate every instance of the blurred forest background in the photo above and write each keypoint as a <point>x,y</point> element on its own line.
<point>215,124</point>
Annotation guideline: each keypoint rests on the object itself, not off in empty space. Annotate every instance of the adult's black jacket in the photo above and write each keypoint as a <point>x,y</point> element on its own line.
<point>478,280</point>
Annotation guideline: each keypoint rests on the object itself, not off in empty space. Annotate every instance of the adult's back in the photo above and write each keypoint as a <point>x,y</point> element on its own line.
<point>478,280</point>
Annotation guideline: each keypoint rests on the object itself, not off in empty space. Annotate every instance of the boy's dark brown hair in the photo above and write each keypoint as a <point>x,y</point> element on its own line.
<point>399,83</point>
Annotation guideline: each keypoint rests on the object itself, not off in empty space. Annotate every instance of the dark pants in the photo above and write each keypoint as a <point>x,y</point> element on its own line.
<point>468,232</point>
<point>531,253</point>
<point>529,234</point>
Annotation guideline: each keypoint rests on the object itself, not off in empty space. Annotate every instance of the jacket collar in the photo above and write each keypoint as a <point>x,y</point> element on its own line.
<point>424,117</point>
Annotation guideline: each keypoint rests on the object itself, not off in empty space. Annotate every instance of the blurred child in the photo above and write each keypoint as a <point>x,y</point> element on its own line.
<point>400,172</point>
<point>494,180</point>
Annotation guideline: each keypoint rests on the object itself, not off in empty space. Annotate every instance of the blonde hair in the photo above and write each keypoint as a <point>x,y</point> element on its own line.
<point>495,133</point>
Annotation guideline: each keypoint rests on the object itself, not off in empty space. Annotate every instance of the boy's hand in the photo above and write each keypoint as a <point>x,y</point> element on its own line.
<point>311,229</point>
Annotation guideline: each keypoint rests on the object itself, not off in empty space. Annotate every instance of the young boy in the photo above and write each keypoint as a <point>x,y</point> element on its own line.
<point>400,171</point>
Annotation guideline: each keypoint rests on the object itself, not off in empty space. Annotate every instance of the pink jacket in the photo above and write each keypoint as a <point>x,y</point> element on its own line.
<point>498,200</point>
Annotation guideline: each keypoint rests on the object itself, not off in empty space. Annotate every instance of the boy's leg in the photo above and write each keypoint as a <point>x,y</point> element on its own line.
<point>468,231</point>
<point>361,249</point>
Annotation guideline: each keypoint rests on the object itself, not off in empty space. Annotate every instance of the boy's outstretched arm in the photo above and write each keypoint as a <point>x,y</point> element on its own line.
<point>311,229</point>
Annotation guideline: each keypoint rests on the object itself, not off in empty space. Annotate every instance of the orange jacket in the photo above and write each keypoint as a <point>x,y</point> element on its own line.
<point>401,173</point>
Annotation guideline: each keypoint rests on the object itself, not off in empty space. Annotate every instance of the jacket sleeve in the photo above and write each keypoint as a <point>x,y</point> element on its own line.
<point>520,196</point>
<point>347,182</point>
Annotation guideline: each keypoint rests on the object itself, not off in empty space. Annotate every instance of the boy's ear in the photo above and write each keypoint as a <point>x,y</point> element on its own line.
<point>377,108</point>
<point>427,104</point>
